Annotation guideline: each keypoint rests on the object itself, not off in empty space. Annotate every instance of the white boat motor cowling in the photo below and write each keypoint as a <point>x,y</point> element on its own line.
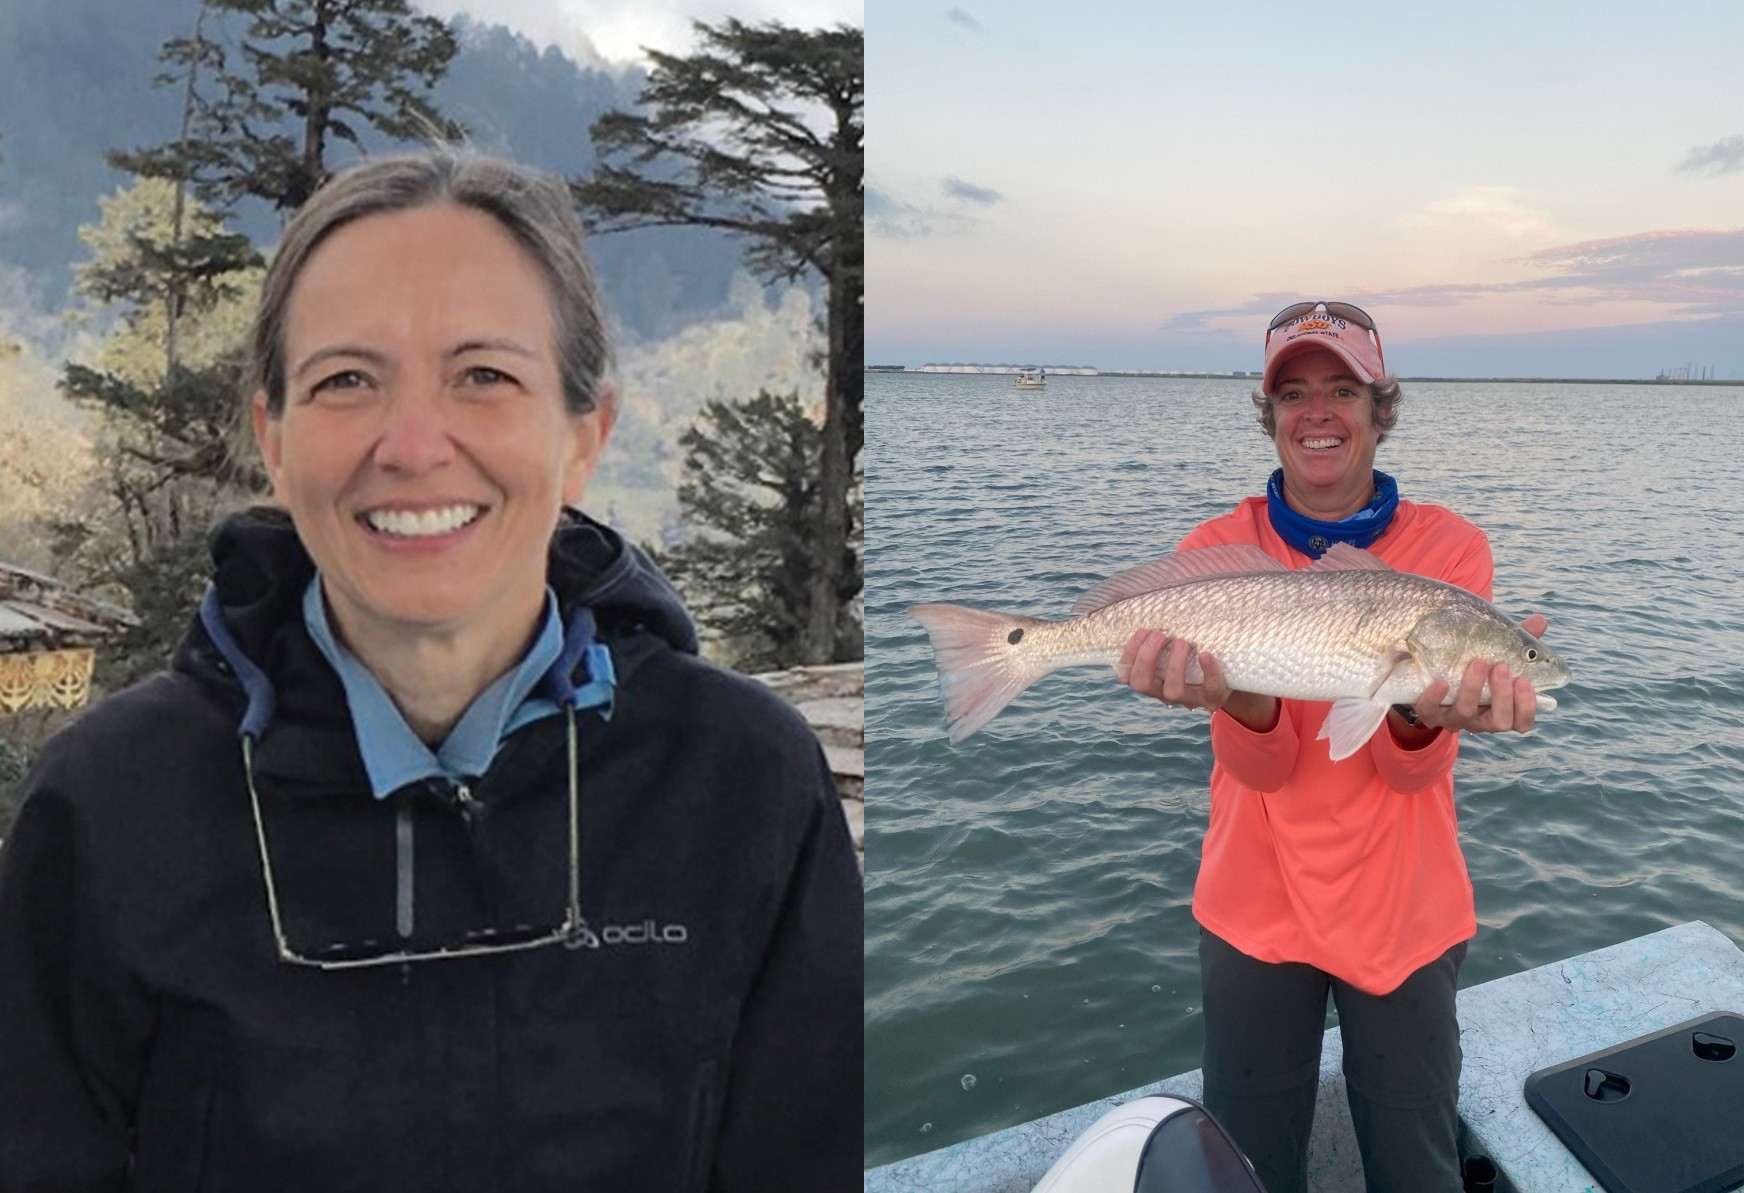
<point>1160,1144</point>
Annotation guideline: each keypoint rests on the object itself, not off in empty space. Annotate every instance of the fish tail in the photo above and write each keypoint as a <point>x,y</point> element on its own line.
<point>983,662</point>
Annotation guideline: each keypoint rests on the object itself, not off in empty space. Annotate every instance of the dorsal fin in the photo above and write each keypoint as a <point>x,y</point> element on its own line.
<point>1201,563</point>
<point>1342,557</point>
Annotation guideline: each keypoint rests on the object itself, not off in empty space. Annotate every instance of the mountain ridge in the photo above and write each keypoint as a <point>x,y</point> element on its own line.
<point>76,80</point>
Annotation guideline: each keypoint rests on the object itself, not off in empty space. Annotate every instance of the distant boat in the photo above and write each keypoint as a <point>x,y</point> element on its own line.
<point>1031,379</point>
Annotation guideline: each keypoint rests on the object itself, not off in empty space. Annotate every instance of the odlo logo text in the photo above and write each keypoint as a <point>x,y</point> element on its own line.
<point>646,932</point>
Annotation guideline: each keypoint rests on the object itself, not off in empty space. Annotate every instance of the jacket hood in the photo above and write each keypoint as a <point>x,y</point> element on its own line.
<point>260,571</point>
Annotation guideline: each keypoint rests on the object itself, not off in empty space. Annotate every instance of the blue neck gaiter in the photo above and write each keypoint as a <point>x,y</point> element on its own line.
<point>1312,537</point>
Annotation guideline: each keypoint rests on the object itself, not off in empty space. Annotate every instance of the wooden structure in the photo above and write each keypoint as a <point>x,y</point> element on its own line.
<point>48,640</point>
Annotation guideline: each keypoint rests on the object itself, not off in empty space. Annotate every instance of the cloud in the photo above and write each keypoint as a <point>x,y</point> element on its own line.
<point>1722,157</point>
<point>24,315</point>
<point>956,188</point>
<point>1694,273</point>
<point>958,17</point>
<point>880,205</point>
<point>1700,271</point>
<point>1264,306</point>
<point>614,33</point>
<point>896,219</point>
<point>1496,208</point>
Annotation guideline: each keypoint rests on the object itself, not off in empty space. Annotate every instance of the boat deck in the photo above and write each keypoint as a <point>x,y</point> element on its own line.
<point>1509,1028</point>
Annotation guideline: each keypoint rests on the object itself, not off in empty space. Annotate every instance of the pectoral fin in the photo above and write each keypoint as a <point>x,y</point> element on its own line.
<point>1350,724</point>
<point>1390,667</point>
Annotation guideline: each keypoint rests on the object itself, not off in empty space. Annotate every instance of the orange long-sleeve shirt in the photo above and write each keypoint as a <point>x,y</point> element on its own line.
<point>1353,867</point>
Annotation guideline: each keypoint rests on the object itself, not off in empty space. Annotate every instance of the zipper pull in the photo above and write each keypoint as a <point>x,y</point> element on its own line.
<point>464,799</point>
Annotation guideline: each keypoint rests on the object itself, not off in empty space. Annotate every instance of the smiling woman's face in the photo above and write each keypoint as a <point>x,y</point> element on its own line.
<point>1326,435</point>
<point>424,451</point>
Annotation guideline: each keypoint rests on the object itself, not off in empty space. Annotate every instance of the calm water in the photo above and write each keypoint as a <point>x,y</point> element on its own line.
<point>1027,892</point>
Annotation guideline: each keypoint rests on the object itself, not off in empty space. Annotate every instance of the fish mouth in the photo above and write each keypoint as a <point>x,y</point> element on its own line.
<point>1546,679</point>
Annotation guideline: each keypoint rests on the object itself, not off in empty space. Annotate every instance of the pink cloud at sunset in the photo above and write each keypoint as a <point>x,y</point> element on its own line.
<point>1674,274</point>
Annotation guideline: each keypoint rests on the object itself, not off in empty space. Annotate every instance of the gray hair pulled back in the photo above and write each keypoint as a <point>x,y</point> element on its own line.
<point>533,207</point>
<point>1385,395</point>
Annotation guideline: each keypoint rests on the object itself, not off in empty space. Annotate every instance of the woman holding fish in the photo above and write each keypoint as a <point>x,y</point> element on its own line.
<point>1346,874</point>
<point>1328,609</point>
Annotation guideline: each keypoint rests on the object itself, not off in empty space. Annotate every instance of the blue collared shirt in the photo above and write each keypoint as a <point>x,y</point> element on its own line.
<point>392,754</point>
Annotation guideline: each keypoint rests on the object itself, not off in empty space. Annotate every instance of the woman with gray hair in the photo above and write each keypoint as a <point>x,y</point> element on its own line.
<point>437,859</point>
<point>1322,877</point>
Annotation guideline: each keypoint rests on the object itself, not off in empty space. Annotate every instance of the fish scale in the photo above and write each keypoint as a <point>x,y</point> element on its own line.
<point>1347,629</point>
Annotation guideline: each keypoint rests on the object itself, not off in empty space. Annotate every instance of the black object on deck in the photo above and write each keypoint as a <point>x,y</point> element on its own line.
<point>1190,1152</point>
<point>1660,1114</point>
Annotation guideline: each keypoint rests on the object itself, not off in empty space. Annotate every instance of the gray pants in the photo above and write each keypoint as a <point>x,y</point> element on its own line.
<point>1263,1024</point>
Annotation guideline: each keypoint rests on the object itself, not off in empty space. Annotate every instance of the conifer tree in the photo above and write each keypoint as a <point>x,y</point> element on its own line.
<point>760,133</point>
<point>159,265</point>
<point>299,76</point>
<point>750,492</point>
<point>157,261</point>
<point>168,408</point>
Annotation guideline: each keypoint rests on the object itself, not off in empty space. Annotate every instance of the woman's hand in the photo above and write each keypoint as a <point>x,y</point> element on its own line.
<point>1513,703</point>
<point>1155,665</point>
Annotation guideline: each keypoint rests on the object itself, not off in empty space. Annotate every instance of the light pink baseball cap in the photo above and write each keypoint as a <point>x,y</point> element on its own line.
<point>1337,327</point>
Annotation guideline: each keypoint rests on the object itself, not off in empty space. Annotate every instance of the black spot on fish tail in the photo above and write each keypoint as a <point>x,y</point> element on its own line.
<point>1015,636</point>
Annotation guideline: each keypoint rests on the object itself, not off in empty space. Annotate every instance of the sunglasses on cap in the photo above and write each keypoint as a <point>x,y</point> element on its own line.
<point>1338,310</point>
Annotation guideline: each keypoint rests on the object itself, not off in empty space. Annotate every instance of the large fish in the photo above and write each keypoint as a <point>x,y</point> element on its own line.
<point>1347,628</point>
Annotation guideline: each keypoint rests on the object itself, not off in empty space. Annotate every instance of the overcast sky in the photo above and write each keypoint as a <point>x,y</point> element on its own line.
<point>616,30</point>
<point>1539,188</point>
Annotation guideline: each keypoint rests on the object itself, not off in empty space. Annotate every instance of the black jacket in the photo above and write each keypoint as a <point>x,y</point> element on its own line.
<point>151,1038</point>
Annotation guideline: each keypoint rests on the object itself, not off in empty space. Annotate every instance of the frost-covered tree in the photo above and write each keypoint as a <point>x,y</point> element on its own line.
<point>165,409</point>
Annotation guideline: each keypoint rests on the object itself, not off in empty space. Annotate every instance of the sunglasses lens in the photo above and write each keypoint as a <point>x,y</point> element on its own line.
<point>1350,314</point>
<point>1294,311</point>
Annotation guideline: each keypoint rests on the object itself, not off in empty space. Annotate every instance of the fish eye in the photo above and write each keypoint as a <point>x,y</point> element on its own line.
<point>1531,654</point>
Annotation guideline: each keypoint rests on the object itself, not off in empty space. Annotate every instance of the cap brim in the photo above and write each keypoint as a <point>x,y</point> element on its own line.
<point>1357,366</point>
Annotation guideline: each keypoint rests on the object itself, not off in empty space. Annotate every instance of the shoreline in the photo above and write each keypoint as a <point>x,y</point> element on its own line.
<point>1053,376</point>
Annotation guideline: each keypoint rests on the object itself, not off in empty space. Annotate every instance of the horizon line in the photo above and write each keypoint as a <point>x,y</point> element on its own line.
<point>967,370</point>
